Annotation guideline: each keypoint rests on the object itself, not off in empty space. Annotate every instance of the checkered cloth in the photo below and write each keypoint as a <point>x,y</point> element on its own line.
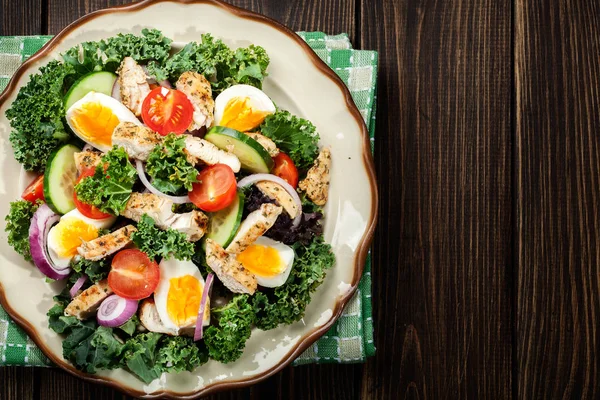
<point>350,339</point>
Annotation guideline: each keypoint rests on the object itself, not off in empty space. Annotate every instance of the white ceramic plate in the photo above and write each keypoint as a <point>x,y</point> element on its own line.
<point>297,81</point>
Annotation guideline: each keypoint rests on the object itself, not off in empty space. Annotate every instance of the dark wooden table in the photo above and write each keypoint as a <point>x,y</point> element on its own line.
<point>487,253</point>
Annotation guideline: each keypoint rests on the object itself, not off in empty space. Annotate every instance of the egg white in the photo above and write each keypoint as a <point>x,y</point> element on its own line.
<point>54,247</point>
<point>286,253</point>
<point>118,109</point>
<point>169,269</point>
<point>258,100</point>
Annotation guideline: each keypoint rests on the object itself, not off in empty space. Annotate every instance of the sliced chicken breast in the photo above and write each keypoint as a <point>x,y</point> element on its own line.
<point>316,183</point>
<point>229,270</point>
<point>265,142</point>
<point>87,159</point>
<point>193,224</point>
<point>197,89</point>
<point>255,225</point>
<point>151,320</point>
<point>199,150</point>
<point>106,245</point>
<point>134,85</point>
<point>138,141</point>
<point>276,192</point>
<point>86,304</point>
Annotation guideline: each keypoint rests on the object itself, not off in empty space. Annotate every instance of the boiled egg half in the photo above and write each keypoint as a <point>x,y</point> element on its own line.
<point>178,295</point>
<point>271,261</point>
<point>70,232</point>
<point>94,117</point>
<point>242,107</point>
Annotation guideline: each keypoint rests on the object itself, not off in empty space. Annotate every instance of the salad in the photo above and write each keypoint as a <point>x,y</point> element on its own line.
<point>179,205</point>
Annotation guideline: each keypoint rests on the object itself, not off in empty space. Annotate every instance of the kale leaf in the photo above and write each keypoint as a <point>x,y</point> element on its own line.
<point>294,136</point>
<point>18,221</point>
<point>162,243</point>
<point>36,116</point>
<point>169,168</point>
<point>95,270</point>
<point>110,187</point>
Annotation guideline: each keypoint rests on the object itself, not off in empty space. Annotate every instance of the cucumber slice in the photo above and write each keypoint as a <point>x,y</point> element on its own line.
<point>224,224</point>
<point>101,82</point>
<point>59,179</point>
<point>252,155</point>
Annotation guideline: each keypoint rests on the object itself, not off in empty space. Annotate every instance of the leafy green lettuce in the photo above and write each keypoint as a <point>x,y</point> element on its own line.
<point>212,58</point>
<point>156,242</point>
<point>110,187</point>
<point>295,136</point>
<point>18,221</point>
<point>169,168</point>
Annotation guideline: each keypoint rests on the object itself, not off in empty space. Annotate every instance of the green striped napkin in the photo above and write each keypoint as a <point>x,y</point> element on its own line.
<point>350,339</point>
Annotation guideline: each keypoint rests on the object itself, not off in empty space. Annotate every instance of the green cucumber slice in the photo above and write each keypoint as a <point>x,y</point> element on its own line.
<point>101,82</point>
<point>59,179</point>
<point>252,155</point>
<point>224,224</point>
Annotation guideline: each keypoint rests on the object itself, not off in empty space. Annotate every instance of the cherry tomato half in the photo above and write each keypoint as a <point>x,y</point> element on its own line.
<point>133,275</point>
<point>35,190</point>
<point>167,110</point>
<point>87,209</point>
<point>216,188</point>
<point>286,169</point>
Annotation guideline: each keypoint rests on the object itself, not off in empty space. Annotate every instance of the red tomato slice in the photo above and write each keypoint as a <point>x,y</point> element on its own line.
<point>133,275</point>
<point>286,169</point>
<point>216,188</point>
<point>35,190</point>
<point>167,110</point>
<point>84,208</point>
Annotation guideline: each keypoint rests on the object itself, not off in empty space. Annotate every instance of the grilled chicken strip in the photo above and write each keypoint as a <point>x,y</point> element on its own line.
<point>265,142</point>
<point>199,150</point>
<point>85,304</point>
<point>316,183</point>
<point>151,320</point>
<point>255,225</point>
<point>193,224</point>
<point>229,270</point>
<point>134,85</point>
<point>276,192</point>
<point>138,141</point>
<point>87,159</point>
<point>107,244</point>
<point>197,88</point>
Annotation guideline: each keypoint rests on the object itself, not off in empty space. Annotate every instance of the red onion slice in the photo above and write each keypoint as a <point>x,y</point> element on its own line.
<point>205,296</point>
<point>175,199</point>
<point>251,179</point>
<point>116,90</point>
<point>43,219</point>
<point>78,284</point>
<point>115,311</point>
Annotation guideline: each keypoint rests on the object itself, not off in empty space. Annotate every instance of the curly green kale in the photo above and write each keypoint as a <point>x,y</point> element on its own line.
<point>295,136</point>
<point>226,340</point>
<point>110,187</point>
<point>95,270</point>
<point>169,168</point>
<point>162,243</point>
<point>212,58</point>
<point>36,116</point>
<point>18,221</point>
<point>286,304</point>
<point>106,55</point>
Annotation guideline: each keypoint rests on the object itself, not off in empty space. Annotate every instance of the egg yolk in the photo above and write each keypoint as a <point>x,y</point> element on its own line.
<point>70,233</point>
<point>183,299</point>
<point>240,115</point>
<point>95,123</point>
<point>262,260</point>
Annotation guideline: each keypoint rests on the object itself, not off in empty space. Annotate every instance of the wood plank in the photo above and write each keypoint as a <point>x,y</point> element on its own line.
<point>558,198</point>
<point>20,17</point>
<point>442,249</point>
<point>17,383</point>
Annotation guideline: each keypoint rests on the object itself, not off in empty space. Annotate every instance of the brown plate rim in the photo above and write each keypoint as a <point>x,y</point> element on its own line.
<point>360,255</point>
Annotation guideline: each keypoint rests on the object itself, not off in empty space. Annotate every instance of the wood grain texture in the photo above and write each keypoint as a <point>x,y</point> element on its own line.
<point>442,248</point>
<point>20,17</point>
<point>558,174</point>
